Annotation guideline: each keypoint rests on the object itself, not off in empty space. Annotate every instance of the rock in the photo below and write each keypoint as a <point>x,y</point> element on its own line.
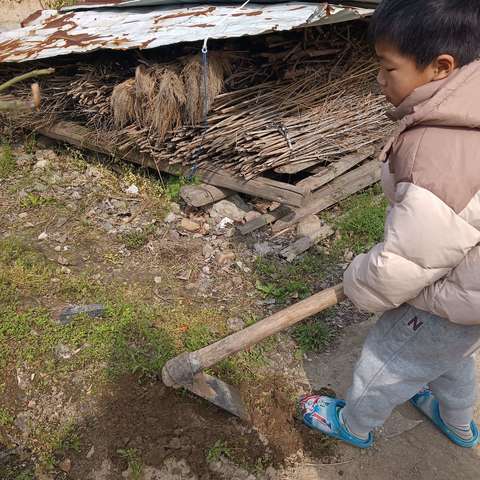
<point>262,248</point>
<point>43,236</point>
<point>58,248</point>
<point>41,164</point>
<point>224,223</point>
<point>46,154</point>
<point>63,352</point>
<point>208,251</point>
<point>227,470</point>
<point>189,225</point>
<point>157,280</point>
<point>175,207</point>
<point>235,324</point>
<point>172,469</point>
<point>252,215</point>
<point>65,465</point>
<point>93,172</point>
<point>229,208</point>
<point>63,261</point>
<point>206,270</point>
<point>31,404</point>
<point>170,218</point>
<point>92,310</point>
<point>22,422</point>
<point>132,190</point>
<point>91,452</point>
<point>108,227</point>
<point>225,257</point>
<point>23,379</point>
<point>76,195</point>
<point>23,215</point>
<point>348,257</point>
<point>308,226</point>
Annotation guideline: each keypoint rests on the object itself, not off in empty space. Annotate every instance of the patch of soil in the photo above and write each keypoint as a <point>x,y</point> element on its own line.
<point>272,404</point>
<point>160,424</point>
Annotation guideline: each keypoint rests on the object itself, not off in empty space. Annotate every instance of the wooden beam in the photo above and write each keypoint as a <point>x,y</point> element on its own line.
<point>262,187</point>
<point>304,243</point>
<point>324,175</point>
<point>264,220</point>
<point>336,191</point>
<point>204,194</point>
<point>291,168</point>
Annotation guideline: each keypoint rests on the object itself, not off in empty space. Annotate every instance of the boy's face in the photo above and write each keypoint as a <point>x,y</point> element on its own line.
<point>399,75</point>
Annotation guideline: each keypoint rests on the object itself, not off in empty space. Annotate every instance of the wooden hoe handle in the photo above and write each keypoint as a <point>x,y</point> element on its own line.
<point>179,371</point>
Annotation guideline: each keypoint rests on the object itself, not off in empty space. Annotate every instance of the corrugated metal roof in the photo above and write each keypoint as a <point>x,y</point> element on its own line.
<point>49,33</point>
<point>88,4</point>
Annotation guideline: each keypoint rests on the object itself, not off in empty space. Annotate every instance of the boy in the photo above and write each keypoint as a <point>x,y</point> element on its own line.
<point>426,273</point>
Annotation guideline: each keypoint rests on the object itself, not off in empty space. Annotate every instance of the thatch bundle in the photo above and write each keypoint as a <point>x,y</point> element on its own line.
<point>309,98</point>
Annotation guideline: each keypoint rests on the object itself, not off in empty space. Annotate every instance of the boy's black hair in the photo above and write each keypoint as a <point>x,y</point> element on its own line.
<point>425,29</point>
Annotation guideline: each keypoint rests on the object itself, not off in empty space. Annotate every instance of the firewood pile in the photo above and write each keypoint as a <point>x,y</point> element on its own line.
<point>279,116</point>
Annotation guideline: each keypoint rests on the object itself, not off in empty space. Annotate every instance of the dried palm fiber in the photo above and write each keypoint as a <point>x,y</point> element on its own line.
<point>122,103</point>
<point>144,93</point>
<point>168,103</point>
<point>219,66</point>
<point>277,123</point>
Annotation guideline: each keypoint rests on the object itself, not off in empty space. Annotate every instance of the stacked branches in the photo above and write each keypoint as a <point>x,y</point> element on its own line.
<point>302,97</point>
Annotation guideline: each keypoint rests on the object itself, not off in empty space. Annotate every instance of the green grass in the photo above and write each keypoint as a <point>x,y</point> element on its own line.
<point>285,281</point>
<point>361,225</point>
<point>217,450</point>
<point>6,418</point>
<point>137,239</point>
<point>57,4</point>
<point>312,335</point>
<point>134,462</point>
<point>173,185</point>
<point>32,200</point>
<point>7,160</point>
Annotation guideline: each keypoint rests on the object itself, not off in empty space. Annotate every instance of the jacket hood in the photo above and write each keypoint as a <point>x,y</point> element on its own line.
<point>452,102</point>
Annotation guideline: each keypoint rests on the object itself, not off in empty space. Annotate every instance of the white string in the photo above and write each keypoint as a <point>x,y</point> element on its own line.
<point>204,47</point>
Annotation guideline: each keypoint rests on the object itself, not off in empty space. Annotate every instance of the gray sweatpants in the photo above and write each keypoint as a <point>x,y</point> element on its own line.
<point>406,350</point>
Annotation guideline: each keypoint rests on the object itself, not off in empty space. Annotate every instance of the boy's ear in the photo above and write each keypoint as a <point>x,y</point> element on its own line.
<point>443,66</point>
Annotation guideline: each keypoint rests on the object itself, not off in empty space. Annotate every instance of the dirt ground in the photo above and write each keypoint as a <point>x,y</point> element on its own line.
<point>403,451</point>
<point>60,421</point>
<point>71,233</point>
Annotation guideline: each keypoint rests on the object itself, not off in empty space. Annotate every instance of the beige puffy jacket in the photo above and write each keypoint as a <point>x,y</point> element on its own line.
<point>430,256</point>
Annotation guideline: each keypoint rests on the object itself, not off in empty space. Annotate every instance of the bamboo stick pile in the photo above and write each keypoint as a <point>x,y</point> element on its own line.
<point>302,98</point>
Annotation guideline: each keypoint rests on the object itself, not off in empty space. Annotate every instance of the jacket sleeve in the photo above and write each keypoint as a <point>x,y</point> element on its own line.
<point>424,240</point>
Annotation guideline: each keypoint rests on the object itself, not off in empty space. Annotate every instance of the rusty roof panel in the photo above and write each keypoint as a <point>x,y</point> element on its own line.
<point>51,33</point>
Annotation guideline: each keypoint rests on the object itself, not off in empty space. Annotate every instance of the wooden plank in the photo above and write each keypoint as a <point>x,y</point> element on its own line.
<point>291,168</point>
<point>257,187</point>
<point>323,175</point>
<point>264,220</point>
<point>304,243</point>
<point>335,191</point>
<point>204,194</point>
<point>262,187</point>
